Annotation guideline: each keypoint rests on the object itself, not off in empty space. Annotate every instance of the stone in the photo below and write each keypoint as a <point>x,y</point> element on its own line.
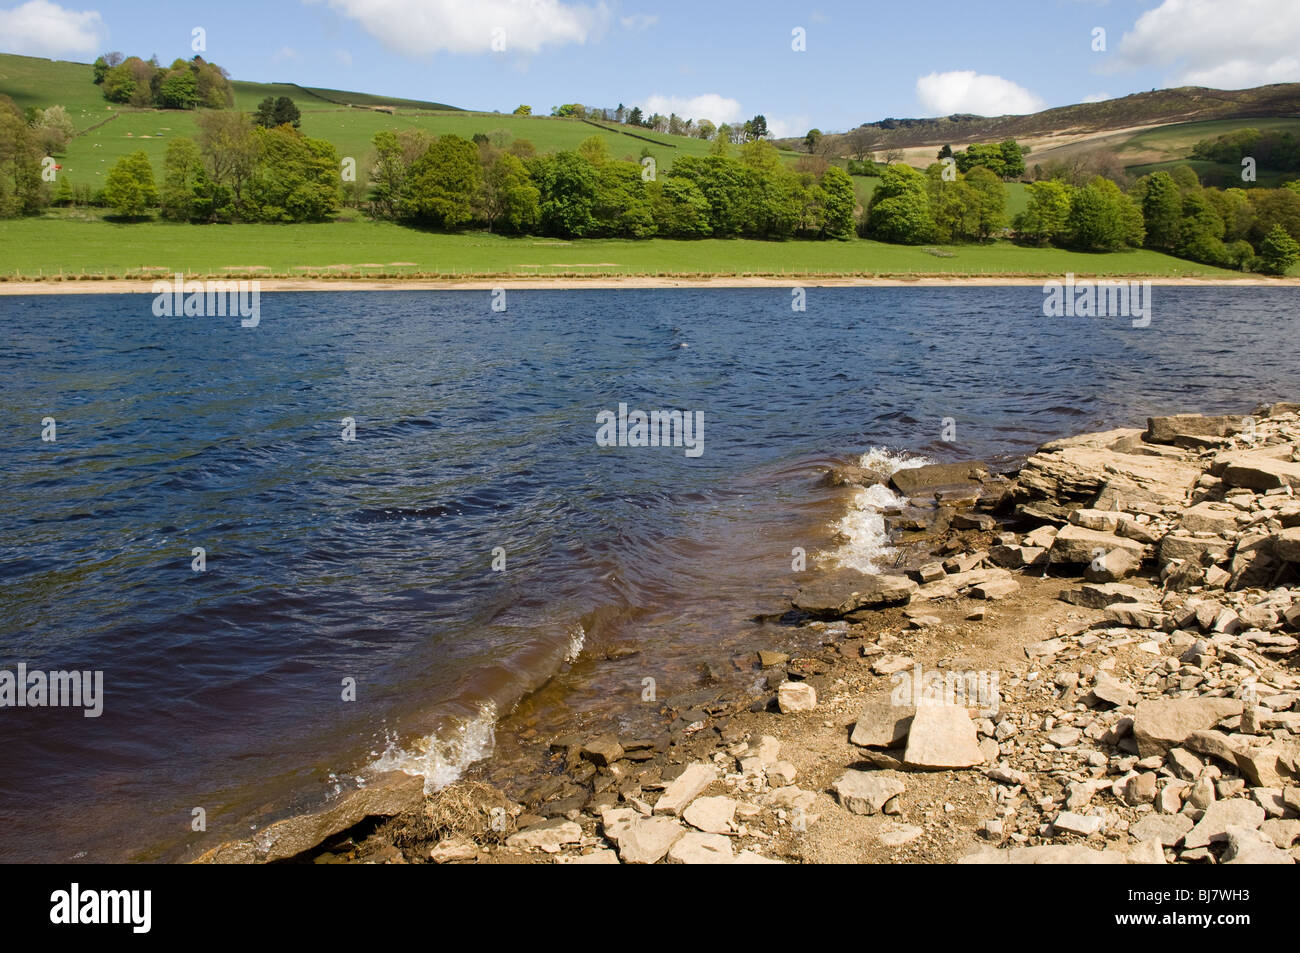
<point>1221,815</point>
<point>929,481</point>
<point>1113,566</point>
<point>595,857</point>
<point>891,664</point>
<point>1104,521</point>
<point>781,773</point>
<point>1249,846</point>
<point>941,737</point>
<point>1076,545</point>
<point>695,847</point>
<point>1083,824</point>
<point>995,589</point>
<point>713,815</point>
<point>603,751</point>
<point>930,572</point>
<point>1260,470</point>
<point>452,849</point>
<point>689,785</point>
<point>1195,549</point>
<point>1101,595</point>
<point>1168,829</point>
<point>1183,763</point>
<point>1140,789</point>
<point>1191,430</point>
<point>549,836</point>
<point>896,835</point>
<point>1082,472</point>
<point>767,659</point>
<point>1286,545</point>
<point>1164,723</point>
<point>1209,517</point>
<point>1065,737</point>
<point>1135,615</point>
<point>842,591</point>
<point>795,696</point>
<point>387,795</point>
<point>865,792</point>
<point>646,840</point>
<point>1283,833</point>
<point>1112,692</point>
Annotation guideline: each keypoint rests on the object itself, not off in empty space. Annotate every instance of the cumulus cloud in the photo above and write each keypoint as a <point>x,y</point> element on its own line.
<point>965,91</point>
<point>708,106</point>
<point>639,21</point>
<point>1096,98</point>
<point>40,28</point>
<point>1224,43</point>
<point>789,126</point>
<point>421,27</point>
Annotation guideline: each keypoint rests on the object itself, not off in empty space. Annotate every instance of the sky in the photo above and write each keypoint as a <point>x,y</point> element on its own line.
<point>832,65</point>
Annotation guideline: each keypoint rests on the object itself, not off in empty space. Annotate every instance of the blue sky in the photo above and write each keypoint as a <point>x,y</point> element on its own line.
<point>721,60</point>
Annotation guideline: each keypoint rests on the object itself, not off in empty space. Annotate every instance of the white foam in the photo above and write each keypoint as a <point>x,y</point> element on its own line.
<point>865,545</point>
<point>442,759</point>
<point>577,639</point>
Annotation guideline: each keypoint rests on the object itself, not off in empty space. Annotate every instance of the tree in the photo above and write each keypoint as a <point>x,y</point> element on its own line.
<point>1013,159</point>
<point>444,183</point>
<point>230,151</point>
<point>990,198</point>
<point>1044,219</point>
<point>899,210</point>
<point>945,153</point>
<point>1162,211</point>
<point>705,129</point>
<point>129,188</point>
<point>838,203</point>
<point>100,68</point>
<point>1102,218</point>
<point>182,172</point>
<point>54,129</point>
<point>810,141</point>
<point>758,127</point>
<point>20,163</point>
<point>273,111</point>
<point>567,183</point>
<point>179,89</point>
<point>510,201</point>
<point>1278,252</point>
<point>860,142</point>
<point>634,116</point>
<point>523,110</point>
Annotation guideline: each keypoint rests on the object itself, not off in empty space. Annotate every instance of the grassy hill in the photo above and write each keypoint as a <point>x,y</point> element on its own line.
<point>349,120</point>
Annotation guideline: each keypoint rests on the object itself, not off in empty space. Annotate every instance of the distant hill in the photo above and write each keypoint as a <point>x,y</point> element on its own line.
<point>1155,108</point>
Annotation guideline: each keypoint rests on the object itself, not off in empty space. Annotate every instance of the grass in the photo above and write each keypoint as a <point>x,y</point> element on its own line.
<point>73,246</point>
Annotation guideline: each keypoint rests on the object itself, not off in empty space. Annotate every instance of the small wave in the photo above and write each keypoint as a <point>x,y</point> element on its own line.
<point>442,759</point>
<point>577,638</point>
<point>865,545</point>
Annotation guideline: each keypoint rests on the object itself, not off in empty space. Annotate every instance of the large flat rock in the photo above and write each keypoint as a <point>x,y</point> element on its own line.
<point>1265,469</point>
<point>932,480</point>
<point>1165,723</point>
<point>942,737</point>
<point>841,591</point>
<point>1081,472</point>
<point>1191,430</point>
<point>1076,545</point>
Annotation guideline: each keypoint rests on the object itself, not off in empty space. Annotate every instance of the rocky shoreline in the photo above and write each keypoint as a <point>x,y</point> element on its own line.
<point>1093,660</point>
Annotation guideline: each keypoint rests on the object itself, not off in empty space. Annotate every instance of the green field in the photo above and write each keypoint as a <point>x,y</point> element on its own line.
<point>31,81</point>
<point>72,245</point>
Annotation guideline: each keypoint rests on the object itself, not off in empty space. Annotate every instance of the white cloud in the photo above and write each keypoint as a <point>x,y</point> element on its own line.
<point>1224,43</point>
<point>780,128</point>
<point>40,28</point>
<point>1096,98</point>
<point>708,106</point>
<point>639,21</point>
<point>965,91</point>
<point>420,27</point>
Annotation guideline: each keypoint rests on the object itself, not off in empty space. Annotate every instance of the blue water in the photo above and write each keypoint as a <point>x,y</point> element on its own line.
<point>371,559</point>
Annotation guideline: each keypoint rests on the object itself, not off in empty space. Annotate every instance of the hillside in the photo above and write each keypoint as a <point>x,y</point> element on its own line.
<point>349,120</point>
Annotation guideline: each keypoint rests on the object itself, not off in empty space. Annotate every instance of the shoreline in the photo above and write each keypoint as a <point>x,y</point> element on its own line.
<point>1128,699</point>
<point>57,286</point>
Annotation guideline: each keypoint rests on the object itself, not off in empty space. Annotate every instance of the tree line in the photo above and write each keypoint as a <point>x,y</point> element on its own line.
<point>186,84</point>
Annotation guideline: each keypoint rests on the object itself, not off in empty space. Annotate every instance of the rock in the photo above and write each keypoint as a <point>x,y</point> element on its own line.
<point>1221,815</point>
<point>1082,472</point>
<point>795,696</point>
<point>1083,824</point>
<point>1168,829</point>
<point>930,481</point>
<point>1065,737</point>
<point>1165,723</point>
<point>549,836</point>
<point>1195,549</point>
<point>713,815</point>
<point>768,659</point>
<point>451,849</point>
<point>1191,430</point>
<point>1268,765</point>
<point>603,751</point>
<point>1113,566</point>
<point>896,835</point>
<point>1107,689</point>
<point>1101,595</point>
<point>1248,846</point>
<point>782,773</point>
<point>1260,470</point>
<point>842,591</point>
<point>865,792</point>
<point>1183,763</point>
<point>882,724</point>
<point>891,664</point>
<point>385,796</point>
<point>646,840</point>
<point>930,572</point>
<point>1209,517</point>
<point>941,737</point>
<point>1076,545</point>
<point>595,857</point>
<point>1140,789</point>
<point>694,847</point>
<point>1104,521</point>
<point>1286,545</point>
<point>977,521</point>
<point>1135,615</point>
<point>1018,557</point>
<point>995,589</point>
<point>686,788</point>
<point>1283,833</point>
